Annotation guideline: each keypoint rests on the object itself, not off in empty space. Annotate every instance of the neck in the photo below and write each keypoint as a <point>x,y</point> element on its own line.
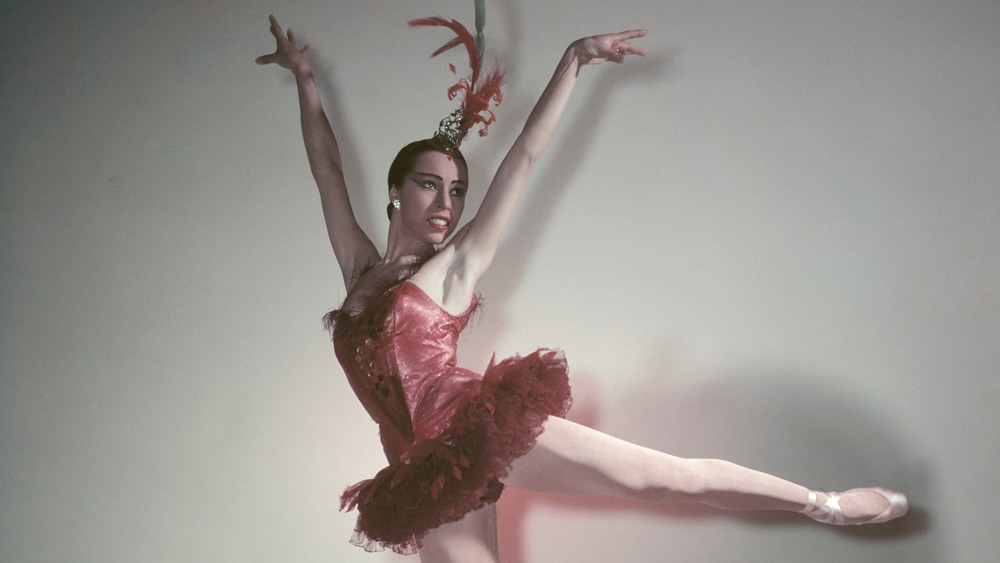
<point>403,249</point>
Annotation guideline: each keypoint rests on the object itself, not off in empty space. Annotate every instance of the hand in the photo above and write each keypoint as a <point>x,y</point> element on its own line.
<point>287,54</point>
<point>611,47</point>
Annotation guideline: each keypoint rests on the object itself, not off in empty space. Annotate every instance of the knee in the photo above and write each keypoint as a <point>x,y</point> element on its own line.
<point>672,480</point>
<point>707,477</point>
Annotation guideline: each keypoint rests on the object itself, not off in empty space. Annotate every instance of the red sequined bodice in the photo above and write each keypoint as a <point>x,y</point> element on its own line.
<point>399,355</point>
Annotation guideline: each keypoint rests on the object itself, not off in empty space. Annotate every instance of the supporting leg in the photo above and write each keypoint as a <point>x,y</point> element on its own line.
<point>473,539</point>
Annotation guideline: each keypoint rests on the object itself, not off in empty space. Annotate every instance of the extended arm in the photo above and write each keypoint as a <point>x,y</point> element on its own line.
<point>354,250</point>
<point>476,244</point>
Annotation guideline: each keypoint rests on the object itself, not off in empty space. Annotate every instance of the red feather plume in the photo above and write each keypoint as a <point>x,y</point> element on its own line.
<point>476,95</point>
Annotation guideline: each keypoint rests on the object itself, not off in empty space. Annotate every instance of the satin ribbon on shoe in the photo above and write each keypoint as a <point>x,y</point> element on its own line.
<point>831,513</point>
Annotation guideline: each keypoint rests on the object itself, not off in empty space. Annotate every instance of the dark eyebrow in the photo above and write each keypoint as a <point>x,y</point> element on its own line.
<point>436,177</point>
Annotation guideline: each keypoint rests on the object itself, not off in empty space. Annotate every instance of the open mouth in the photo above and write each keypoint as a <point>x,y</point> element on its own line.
<point>439,223</point>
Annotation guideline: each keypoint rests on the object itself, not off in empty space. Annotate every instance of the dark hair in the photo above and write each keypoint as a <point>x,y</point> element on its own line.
<point>407,157</point>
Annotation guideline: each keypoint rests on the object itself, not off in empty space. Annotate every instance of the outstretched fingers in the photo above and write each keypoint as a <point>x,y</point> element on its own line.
<point>275,27</point>
<point>623,47</point>
<point>620,43</point>
<point>609,47</point>
<point>286,53</point>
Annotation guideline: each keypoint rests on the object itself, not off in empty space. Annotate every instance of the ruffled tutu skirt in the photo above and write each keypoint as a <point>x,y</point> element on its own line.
<point>440,479</point>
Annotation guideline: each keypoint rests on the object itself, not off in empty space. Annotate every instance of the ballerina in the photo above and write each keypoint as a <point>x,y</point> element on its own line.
<point>454,438</point>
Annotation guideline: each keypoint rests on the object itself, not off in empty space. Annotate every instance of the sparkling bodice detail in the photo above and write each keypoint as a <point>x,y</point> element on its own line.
<point>449,434</point>
<point>398,353</point>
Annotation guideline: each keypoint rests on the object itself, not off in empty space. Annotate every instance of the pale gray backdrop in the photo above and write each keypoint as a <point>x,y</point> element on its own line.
<point>775,241</point>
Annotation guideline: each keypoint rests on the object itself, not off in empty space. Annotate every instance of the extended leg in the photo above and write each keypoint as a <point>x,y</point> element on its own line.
<point>573,459</point>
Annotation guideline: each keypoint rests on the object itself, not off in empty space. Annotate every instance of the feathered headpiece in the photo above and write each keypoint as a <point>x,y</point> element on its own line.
<point>477,91</point>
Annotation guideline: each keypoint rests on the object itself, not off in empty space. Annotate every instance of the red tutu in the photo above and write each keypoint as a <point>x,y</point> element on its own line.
<point>450,434</point>
<point>441,479</point>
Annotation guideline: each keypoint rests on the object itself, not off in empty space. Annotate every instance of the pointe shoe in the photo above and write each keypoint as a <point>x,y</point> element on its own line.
<point>831,513</point>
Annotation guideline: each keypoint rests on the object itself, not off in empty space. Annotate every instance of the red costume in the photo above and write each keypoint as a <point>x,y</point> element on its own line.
<point>448,433</point>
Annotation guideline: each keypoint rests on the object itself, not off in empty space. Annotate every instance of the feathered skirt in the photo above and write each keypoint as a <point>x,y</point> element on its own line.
<point>441,478</point>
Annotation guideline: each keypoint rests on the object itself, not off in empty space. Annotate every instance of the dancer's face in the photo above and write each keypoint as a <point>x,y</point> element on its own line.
<point>432,197</point>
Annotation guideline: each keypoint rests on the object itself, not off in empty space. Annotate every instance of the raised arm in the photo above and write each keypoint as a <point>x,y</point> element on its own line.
<point>354,250</point>
<point>476,244</point>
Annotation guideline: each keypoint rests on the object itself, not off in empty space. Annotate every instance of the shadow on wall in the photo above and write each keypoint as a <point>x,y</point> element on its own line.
<point>789,426</point>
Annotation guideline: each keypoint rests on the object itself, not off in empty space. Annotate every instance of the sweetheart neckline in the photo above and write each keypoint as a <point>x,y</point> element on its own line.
<point>398,286</point>
<point>465,313</point>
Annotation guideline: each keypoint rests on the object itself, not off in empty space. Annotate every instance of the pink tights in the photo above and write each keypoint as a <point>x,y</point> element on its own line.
<point>569,458</point>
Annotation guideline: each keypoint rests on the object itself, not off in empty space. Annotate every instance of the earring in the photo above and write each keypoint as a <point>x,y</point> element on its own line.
<point>395,204</point>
